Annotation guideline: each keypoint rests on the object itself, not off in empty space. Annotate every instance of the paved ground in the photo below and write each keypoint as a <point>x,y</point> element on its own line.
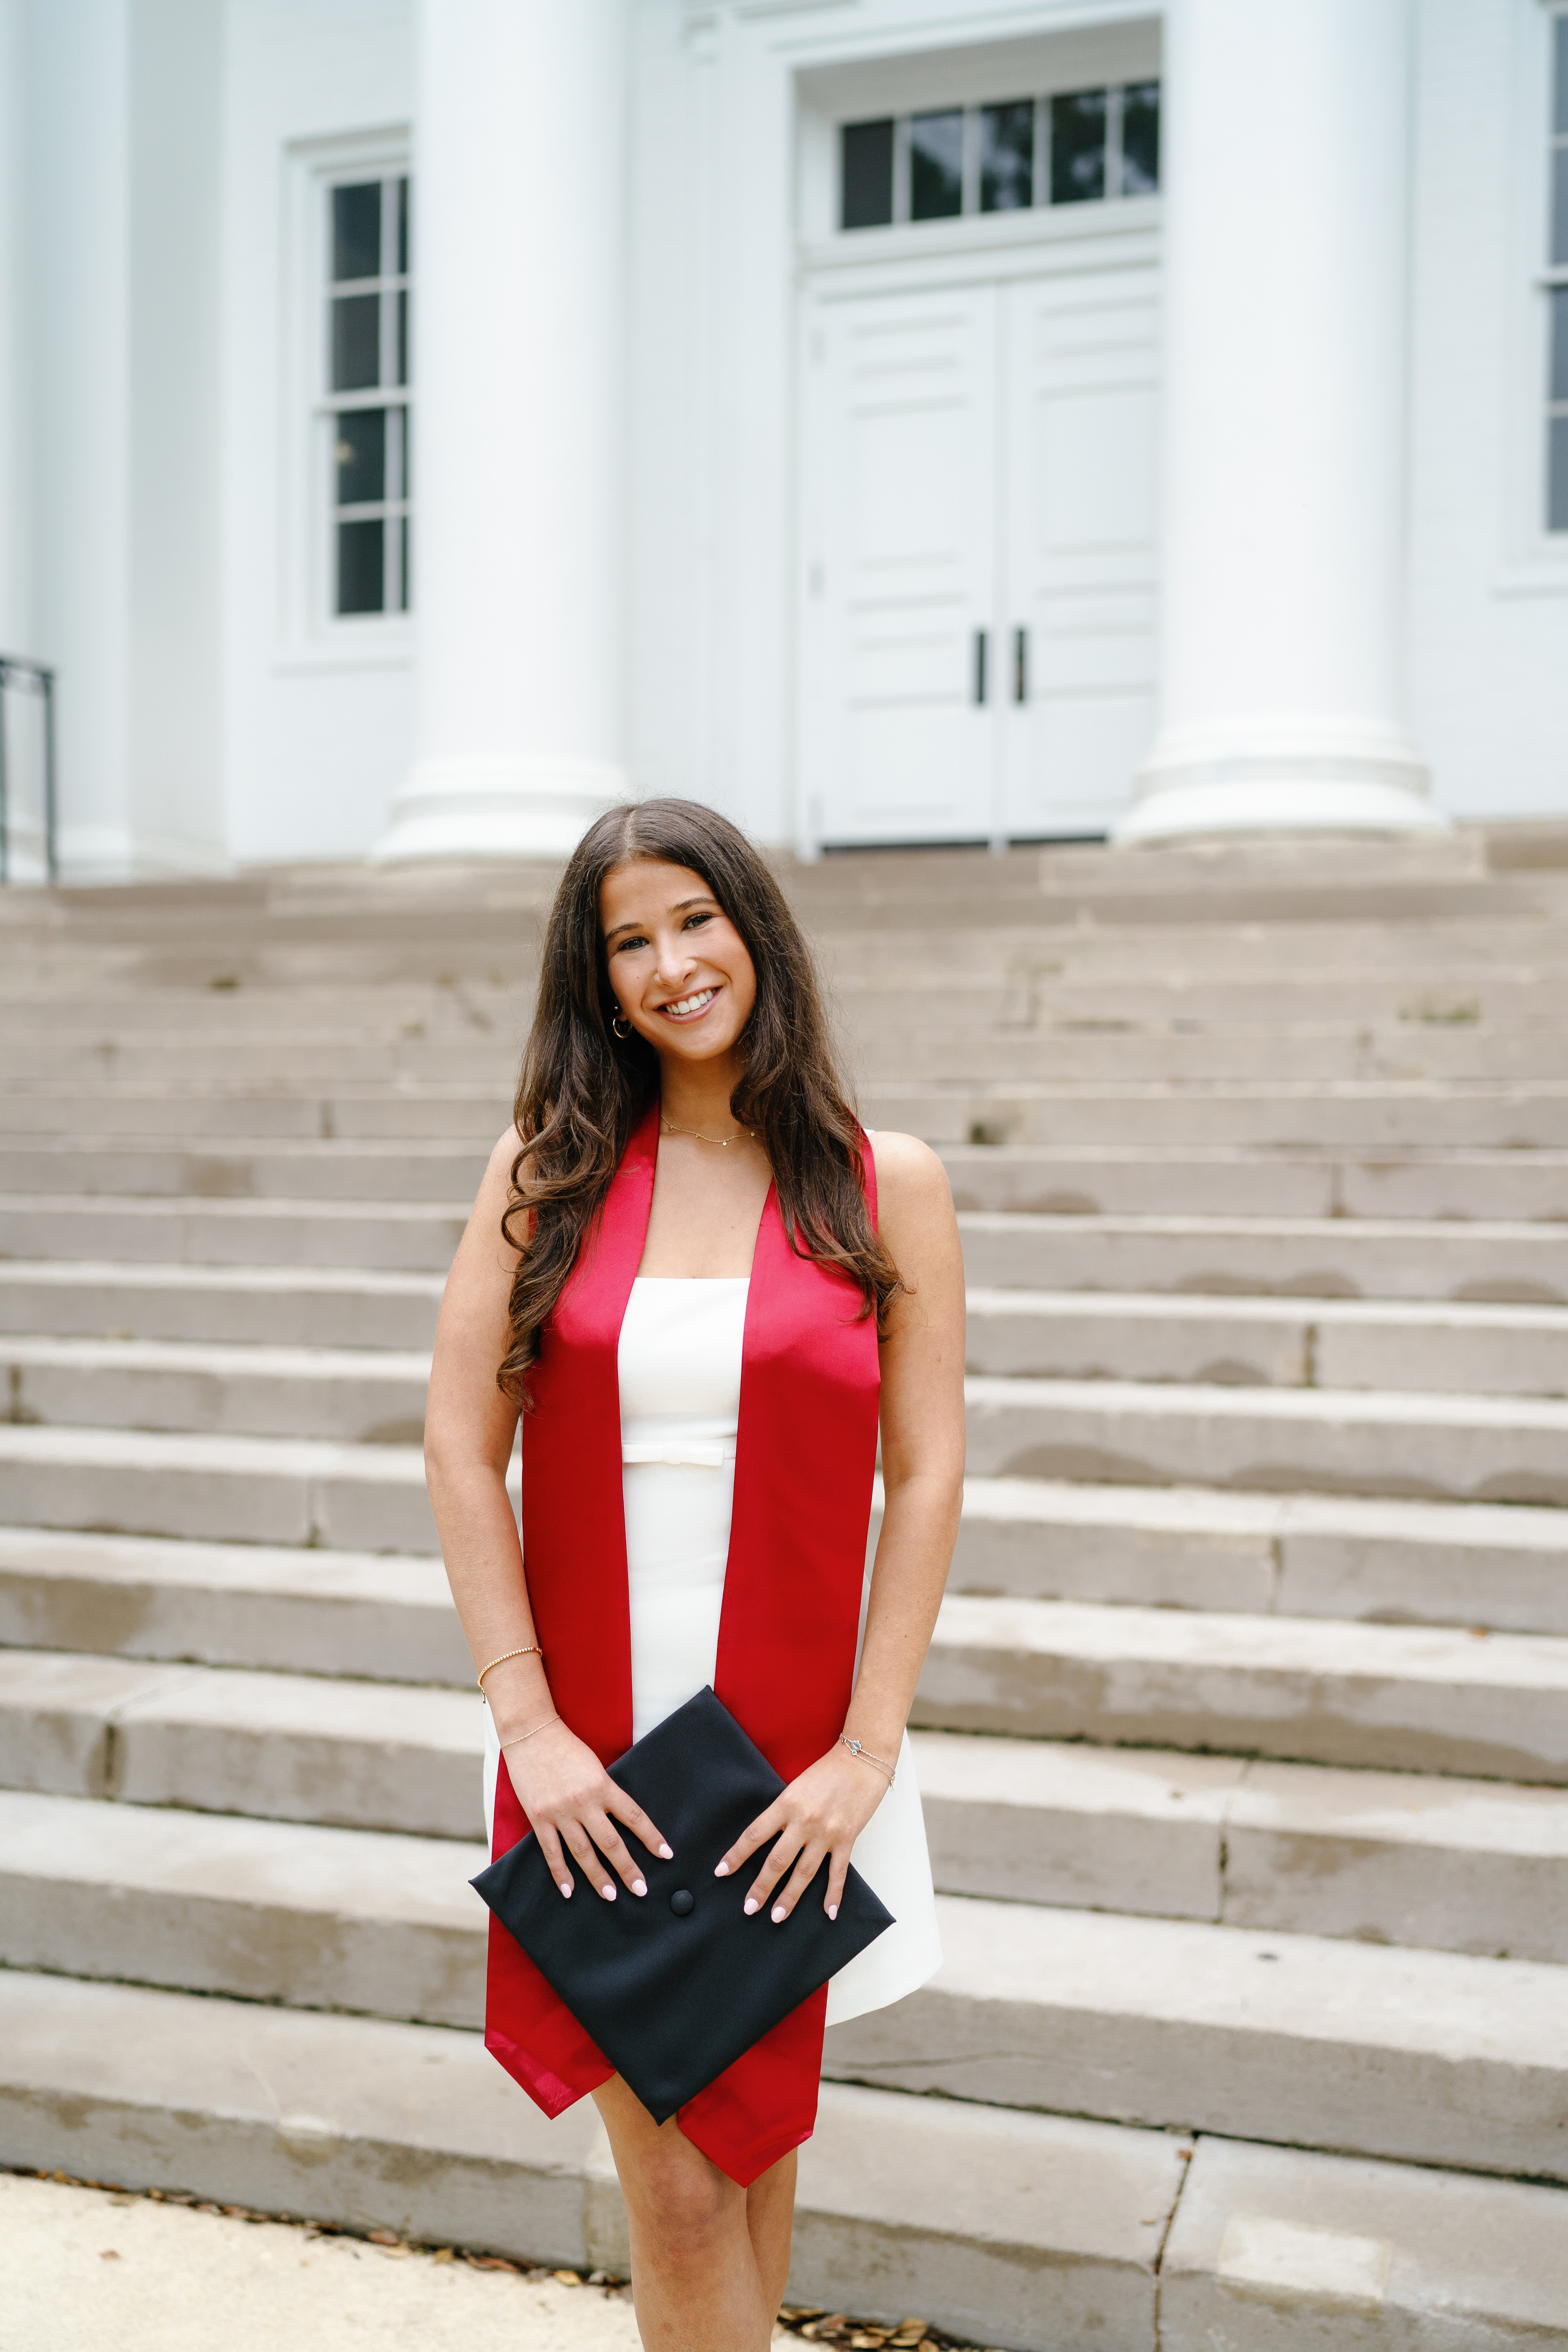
<point>98,2269</point>
<point>90,2270</point>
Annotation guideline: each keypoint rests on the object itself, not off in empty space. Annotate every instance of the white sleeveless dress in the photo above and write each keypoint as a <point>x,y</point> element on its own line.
<point>679,1364</point>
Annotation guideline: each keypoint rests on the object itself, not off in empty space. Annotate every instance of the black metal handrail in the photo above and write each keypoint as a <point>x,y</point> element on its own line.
<point>36,679</point>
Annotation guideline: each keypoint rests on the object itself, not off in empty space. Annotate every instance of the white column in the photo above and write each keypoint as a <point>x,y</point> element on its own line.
<point>520,274</point>
<point>16,608</point>
<point>1286,174</point>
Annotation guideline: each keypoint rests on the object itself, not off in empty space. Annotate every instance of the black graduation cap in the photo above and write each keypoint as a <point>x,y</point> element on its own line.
<point>675,1984</point>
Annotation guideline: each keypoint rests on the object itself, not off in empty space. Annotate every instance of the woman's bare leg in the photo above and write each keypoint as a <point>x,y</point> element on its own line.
<point>708,2259</point>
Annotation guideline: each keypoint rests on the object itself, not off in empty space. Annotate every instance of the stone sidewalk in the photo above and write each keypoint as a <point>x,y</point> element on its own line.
<point>95,2271</point>
<point>103,2270</point>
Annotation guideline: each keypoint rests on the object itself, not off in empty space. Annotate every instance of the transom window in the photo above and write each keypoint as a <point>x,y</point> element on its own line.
<point>1076,147</point>
<point>1557,288</point>
<point>366,396</point>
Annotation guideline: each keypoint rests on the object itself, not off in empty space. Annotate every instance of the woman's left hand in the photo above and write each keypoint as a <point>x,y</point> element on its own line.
<point>821,1813</point>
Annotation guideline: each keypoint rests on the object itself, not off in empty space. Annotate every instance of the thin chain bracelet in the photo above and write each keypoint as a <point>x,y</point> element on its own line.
<point>529,1735</point>
<point>532,1650</point>
<point>866,1755</point>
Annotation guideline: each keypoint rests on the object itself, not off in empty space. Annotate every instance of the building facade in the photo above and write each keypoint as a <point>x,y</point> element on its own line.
<point>424,421</point>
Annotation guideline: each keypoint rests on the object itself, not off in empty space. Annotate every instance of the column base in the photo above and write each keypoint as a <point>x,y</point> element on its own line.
<point>479,805</point>
<point>1288,776</point>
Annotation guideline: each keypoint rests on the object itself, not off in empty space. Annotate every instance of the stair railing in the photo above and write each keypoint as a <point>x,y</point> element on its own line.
<point>28,678</point>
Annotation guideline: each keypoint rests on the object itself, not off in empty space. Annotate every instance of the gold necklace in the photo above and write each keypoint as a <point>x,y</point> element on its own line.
<point>744,1135</point>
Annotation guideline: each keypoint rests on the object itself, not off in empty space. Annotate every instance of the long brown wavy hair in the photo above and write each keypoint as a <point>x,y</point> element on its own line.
<point>582,1090</point>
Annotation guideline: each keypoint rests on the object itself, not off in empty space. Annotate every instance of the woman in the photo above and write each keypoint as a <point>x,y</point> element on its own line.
<point>703,1288</point>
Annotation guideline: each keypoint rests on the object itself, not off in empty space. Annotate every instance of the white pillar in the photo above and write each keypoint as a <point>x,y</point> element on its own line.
<point>16,609</point>
<point>518,575</point>
<point>1286,194</point>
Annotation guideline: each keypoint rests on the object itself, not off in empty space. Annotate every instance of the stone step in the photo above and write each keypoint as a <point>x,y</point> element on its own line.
<point>1373,1115</point>
<point>302,1747</point>
<point>287,1056</point>
<point>1408,1699</point>
<point>994,1057</point>
<point>178,1115</point>
<point>1380,1857</point>
<point>271,1910</point>
<point>374,1616</point>
<point>989,986</point>
<point>415,1235</point>
<point>379,1925</point>
<point>1371,1441</point>
<point>1277,2249</point>
<point>1364,1558</point>
<point>1117,1179</point>
<point>1032,2231</point>
<point>306,1306</point>
<point>1352,1114</point>
<point>271,1747</point>
<point>257,1490</point>
<point>1002,2227</point>
<point>1304,1258</point>
<point>1075,1335</point>
<point>360,1396</point>
<point>1102,1179</point>
<point>1495,1351</point>
<point>1107,1050</point>
<point>1425,2057</point>
<point>78,1007</point>
<point>1301,1556</point>
<point>393,1169</point>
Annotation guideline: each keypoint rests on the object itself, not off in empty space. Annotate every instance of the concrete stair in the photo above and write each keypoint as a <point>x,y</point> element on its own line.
<point>1243,1738</point>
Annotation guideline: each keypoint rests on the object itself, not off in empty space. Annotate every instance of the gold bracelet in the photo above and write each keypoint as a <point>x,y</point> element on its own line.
<point>866,1755</point>
<point>529,1735</point>
<point>532,1650</point>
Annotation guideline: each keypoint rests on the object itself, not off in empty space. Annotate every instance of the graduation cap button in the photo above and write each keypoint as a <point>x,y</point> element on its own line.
<point>683,1902</point>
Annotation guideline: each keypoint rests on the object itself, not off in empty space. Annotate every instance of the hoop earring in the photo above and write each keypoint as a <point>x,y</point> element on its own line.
<point>616,1023</point>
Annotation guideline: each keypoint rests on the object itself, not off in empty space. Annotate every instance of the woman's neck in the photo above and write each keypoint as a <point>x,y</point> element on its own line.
<point>697,1095</point>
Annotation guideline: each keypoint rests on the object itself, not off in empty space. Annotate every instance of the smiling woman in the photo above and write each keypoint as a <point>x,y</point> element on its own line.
<point>705,1289</point>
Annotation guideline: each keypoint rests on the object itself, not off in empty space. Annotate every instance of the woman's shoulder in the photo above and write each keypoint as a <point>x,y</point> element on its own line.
<point>909,1173</point>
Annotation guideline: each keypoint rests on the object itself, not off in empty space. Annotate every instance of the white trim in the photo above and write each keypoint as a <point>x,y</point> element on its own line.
<point>1534,559</point>
<point>1046,235</point>
<point>310,634</point>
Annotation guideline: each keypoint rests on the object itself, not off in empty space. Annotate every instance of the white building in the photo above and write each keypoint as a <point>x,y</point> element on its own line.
<point>891,420</point>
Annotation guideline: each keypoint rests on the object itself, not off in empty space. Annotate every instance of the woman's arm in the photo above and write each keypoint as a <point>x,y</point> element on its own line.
<point>827,1808</point>
<point>469,1427</point>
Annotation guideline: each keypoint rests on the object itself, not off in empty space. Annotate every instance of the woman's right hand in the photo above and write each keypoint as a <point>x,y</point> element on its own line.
<point>572,1801</point>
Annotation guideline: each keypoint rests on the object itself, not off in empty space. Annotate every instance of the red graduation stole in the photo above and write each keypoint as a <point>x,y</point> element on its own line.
<point>805,1458</point>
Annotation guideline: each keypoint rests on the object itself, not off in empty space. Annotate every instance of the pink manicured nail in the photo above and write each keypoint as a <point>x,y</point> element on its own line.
<point>608,1893</point>
<point>564,1885</point>
<point>638,1886</point>
<point>833,1910</point>
<point>779,1912</point>
<point>721,1870</point>
<point>667,1854</point>
<point>750,1905</point>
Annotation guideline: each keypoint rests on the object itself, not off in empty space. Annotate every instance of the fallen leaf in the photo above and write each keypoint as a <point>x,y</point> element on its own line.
<point>489,2262</point>
<point>108,2255</point>
<point>566,2278</point>
<point>442,2254</point>
<point>383,2237</point>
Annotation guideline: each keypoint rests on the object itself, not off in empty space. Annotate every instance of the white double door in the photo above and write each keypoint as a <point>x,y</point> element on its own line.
<point>978,514</point>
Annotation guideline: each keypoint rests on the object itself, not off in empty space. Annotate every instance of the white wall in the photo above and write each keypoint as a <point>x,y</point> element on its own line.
<point>1487,590</point>
<point>319,723</point>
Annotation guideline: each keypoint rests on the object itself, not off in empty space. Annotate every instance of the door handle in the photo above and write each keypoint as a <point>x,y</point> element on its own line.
<point>1020,664</point>
<point>979,647</point>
